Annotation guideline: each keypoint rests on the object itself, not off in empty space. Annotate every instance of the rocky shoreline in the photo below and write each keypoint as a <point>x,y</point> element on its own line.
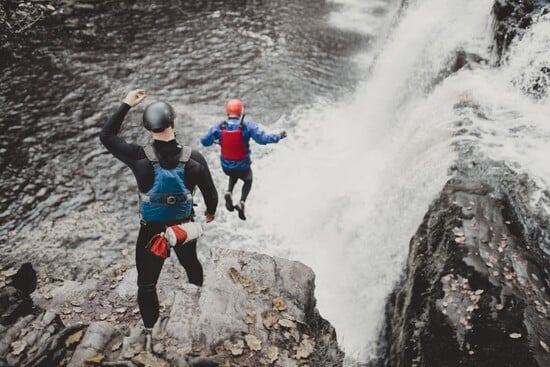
<point>252,310</point>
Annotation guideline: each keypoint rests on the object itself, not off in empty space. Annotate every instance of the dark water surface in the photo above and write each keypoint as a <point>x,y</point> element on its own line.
<point>60,85</point>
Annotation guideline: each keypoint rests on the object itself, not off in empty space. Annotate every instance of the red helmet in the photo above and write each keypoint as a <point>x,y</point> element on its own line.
<point>234,107</point>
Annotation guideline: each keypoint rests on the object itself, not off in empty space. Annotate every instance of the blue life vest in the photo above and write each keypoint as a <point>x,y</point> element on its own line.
<point>169,200</point>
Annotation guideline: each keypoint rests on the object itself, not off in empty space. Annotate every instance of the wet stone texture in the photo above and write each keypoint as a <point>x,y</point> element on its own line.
<point>253,310</point>
<point>474,293</point>
<point>511,18</point>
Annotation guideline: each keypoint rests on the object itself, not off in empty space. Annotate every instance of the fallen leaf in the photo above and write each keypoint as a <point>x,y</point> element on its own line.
<point>75,303</point>
<point>234,274</point>
<point>287,323</point>
<point>499,307</point>
<point>92,295</point>
<point>272,354</point>
<point>96,359</point>
<point>253,342</point>
<point>121,310</point>
<point>544,346</point>
<point>479,291</point>
<point>103,316</point>
<point>73,338</point>
<point>269,319</point>
<point>77,309</point>
<point>236,348</point>
<point>305,348</point>
<point>279,303</point>
<point>515,335</point>
<point>250,318</point>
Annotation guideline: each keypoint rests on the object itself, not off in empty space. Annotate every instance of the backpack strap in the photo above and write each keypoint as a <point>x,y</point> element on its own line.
<point>223,125</point>
<point>185,154</point>
<point>150,153</point>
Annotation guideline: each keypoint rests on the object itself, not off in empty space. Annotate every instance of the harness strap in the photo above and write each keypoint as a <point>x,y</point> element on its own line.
<point>223,125</point>
<point>151,154</point>
<point>165,199</point>
<point>185,154</point>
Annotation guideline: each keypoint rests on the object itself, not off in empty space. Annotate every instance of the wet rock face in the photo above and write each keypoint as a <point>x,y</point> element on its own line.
<point>252,310</point>
<point>511,18</point>
<point>474,294</point>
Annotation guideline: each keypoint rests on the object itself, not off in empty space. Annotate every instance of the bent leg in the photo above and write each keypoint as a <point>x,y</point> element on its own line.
<point>148,269</point>
<point>187,256</point>
<point>247,178</point>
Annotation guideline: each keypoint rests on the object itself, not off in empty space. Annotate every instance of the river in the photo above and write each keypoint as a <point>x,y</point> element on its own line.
<point>373,115</point>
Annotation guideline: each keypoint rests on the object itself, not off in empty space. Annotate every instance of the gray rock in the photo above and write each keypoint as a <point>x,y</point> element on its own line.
<point>97,337</point>
<point>252,310</point>
<point>473,292</point>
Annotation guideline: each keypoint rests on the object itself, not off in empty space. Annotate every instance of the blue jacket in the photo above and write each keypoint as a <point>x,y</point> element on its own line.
<point>250,130</point>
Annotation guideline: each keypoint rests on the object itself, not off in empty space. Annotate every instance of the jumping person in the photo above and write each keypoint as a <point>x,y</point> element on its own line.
<point>234,135</point>
<point>166,174</point>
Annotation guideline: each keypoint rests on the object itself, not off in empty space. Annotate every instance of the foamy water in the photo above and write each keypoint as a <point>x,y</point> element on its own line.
<point>348,188</point>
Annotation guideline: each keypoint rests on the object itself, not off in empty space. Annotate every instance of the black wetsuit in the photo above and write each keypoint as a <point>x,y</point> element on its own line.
<point>196,174</point>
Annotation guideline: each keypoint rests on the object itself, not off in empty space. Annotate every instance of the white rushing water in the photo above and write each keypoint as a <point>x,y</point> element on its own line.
<point>347,190</point>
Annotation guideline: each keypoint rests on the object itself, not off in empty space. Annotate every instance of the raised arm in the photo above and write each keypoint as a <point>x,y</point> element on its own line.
<point>260,136</point>
<point>212,134</point>
<point>117,146</point>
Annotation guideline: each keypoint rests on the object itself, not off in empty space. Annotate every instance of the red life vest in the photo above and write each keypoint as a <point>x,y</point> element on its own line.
<point>232,144</point>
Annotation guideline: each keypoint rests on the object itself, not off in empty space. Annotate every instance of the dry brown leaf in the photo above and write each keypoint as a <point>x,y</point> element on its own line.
<point>253,342</point>
<point>279,304</point>
<point>272,354</point>
<point>250,318</point>
<point>97,359</point>
<point>287,323</point>
<point>73,338</point>
<point>305,348</point>
<point>269,319</point>
<point>92,295</point>
<point>234,274</point>
<point>236,348</point>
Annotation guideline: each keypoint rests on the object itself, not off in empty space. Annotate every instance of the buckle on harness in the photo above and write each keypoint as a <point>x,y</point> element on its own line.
<point>171,200</point>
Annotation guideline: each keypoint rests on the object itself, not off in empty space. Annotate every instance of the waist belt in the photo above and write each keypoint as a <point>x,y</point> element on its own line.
<point>163,199</point>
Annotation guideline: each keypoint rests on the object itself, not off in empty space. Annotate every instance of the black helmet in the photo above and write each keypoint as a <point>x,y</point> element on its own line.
<point>158,116</point>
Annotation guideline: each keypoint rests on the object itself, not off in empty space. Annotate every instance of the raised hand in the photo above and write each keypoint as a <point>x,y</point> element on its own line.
<point>134,97</point>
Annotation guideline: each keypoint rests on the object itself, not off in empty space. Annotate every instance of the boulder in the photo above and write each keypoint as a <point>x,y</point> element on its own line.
<point>511,18</point>
<point>475,290</point>
<point>252,310</point>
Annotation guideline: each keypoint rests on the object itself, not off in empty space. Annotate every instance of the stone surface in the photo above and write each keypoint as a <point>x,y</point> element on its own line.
<point>223,323</point>
<point>475,290</point>
<point>511,18</point>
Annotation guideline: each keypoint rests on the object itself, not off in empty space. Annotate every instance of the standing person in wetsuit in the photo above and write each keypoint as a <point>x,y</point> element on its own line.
<point>234,136</point>
<point>167,174</point>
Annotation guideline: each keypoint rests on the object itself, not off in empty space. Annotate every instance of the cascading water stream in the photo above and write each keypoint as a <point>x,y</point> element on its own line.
<point>347,190</point>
